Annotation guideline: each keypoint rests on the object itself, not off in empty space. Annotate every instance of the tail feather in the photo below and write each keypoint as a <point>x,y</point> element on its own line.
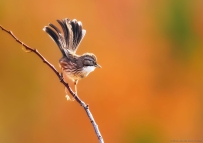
<point>61,38</point>
<point>71,37</point>
<point>66,30</point>
<point>74,28</point>
<point>77,32</point>
<point>55,37</point>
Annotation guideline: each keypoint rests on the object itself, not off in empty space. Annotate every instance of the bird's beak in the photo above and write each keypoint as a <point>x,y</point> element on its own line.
<point>98,66</point>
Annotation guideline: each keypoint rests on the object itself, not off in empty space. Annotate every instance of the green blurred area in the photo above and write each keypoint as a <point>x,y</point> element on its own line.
<point>179,28</point>
<point>149,89</point>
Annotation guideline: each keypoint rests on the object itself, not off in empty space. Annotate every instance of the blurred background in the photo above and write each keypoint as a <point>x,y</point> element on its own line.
<point>150,87</point>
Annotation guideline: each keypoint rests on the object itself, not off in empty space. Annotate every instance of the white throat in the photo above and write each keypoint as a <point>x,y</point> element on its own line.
<point>88,69</point>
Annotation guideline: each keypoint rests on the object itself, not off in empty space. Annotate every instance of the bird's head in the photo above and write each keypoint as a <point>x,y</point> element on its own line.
<point>90,59</point>
<point>89,62</point>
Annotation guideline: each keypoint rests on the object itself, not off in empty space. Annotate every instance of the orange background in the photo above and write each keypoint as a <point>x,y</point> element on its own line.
<point>150,87</point>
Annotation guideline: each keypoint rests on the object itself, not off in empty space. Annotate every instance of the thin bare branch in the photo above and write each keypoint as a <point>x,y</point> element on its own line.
<point>85,106</point>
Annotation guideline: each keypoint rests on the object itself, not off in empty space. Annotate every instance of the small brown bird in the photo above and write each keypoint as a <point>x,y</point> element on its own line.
<point>73,66</point>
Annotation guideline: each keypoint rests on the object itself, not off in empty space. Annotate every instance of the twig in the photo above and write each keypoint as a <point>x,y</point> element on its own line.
<point>85,106</point>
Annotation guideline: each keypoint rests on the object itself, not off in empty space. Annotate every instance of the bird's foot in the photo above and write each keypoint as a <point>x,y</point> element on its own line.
<point>69,99</point>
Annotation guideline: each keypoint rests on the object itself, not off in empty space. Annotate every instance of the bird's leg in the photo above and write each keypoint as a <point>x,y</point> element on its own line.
<point>62,78</point>
<point>75,83</point>
<point>61,74</point>
<point>67,96</point>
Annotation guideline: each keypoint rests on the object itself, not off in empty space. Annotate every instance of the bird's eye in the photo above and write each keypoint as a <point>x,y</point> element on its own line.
<point>87,62</point>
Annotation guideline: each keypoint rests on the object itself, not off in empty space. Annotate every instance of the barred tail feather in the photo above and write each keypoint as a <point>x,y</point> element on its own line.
<point>71,37</point>
<point>56,37</point>
<point>68,33</point>
<point>61,38</point>
<point>78,33</point>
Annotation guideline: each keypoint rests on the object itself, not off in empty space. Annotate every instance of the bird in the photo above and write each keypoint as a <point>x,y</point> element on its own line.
<point>75,67</point>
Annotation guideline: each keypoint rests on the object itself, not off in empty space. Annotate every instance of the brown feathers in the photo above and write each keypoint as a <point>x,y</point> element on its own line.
<point>71,37</point>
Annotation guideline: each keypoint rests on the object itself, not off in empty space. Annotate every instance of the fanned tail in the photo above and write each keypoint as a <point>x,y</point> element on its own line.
<point>70,38</point>
<point>57,37</point>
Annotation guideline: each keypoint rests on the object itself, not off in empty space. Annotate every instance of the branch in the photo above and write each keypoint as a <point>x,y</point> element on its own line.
<point>85,106</point>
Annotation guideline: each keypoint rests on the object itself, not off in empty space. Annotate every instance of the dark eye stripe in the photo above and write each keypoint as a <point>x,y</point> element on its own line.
<point>88,62</point>
<point>88,58</point>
